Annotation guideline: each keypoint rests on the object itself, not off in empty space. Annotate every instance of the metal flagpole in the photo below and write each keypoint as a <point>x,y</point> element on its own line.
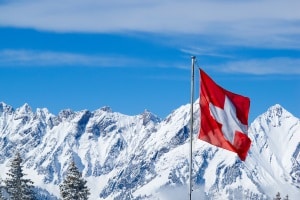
<point>191,126</point>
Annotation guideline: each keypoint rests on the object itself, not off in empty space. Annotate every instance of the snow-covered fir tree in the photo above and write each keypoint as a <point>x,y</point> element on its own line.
<point>16,185</point>
<point>1,187</point>
<point>277,196</point>
<point>74,186</point>
<point>1,195</point>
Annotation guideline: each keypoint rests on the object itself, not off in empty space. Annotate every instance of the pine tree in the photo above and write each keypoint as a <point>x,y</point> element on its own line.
<point>74,186</point>
<point>1,195</point>
<point>286,197</point>
<point>18,187</point>
<point>277,196</point>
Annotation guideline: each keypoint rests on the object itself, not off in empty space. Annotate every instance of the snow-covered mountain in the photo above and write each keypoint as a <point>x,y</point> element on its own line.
<point>144,157</point>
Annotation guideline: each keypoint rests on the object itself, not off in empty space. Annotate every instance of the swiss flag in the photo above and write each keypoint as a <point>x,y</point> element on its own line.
<point>224,117</point>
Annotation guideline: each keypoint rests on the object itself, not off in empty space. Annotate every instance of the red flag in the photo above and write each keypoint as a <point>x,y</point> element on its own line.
<point>224,117</point>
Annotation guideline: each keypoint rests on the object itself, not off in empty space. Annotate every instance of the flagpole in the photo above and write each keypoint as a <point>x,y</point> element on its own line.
<point>191,126</point>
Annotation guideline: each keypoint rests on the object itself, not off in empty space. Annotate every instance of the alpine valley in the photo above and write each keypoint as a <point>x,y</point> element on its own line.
<point>145,157</point>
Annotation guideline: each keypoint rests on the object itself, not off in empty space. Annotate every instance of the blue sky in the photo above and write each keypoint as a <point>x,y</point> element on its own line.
<point>135,55</point>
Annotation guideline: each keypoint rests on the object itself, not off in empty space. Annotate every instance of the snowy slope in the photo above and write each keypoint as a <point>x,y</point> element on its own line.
<point>275,151</point>
<point>144,157</point>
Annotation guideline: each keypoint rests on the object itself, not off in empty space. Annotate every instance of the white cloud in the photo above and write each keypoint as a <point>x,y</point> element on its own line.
<point>262,23</point>
<point>238,18</point>
<point>25,58</point>
<point>30,58</point>
<point>283,66</point>
<point>208,51</point>
<point>19,58</point>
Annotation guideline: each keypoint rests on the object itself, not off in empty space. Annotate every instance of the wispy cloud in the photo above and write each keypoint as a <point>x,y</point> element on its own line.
<point>30,58</point>
<point>283,66</point>
<point>270,22</point>
<point>19,58</point>
<point>208,51</point>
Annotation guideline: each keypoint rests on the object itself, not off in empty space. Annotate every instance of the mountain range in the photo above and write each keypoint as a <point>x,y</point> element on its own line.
<point>145,157</point>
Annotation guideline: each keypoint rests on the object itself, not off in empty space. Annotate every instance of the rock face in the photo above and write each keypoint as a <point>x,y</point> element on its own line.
<point>144,157</point>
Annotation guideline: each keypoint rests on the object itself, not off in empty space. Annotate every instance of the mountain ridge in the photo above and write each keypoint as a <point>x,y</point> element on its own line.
<point>142,156</point>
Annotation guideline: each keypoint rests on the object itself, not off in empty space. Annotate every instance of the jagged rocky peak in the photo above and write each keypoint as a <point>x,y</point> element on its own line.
<point>148,116</point>
<point>24,109</point>
<point>116,154</point>
<point>84,117</point>
<point>65,114</point>
<point>275,115</point>
<point>277,111</point>
<point>106,109</point>
<point>40,111</point>
<point>43,113</point>
<point>5,108</point>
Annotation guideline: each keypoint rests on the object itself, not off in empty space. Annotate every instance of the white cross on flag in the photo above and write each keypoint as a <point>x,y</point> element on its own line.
<point>224,117</point>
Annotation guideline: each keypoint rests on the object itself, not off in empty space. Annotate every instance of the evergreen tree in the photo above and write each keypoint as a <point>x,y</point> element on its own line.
<point>277,196</point>
<point>74,186</point>
<point>17,186</point>
<point>286,197</point>
<point>1,195</point>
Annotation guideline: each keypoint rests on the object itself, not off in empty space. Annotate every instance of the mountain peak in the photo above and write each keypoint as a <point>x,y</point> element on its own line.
<point>5,108</point>
<point>148,116</point>
<point>278,112</point>
<point>66,113</point>
<point>106,109</point>
<point>142,157</point>
<point>24,109</point>
<point>274,115</point>
<point>278,108</point>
